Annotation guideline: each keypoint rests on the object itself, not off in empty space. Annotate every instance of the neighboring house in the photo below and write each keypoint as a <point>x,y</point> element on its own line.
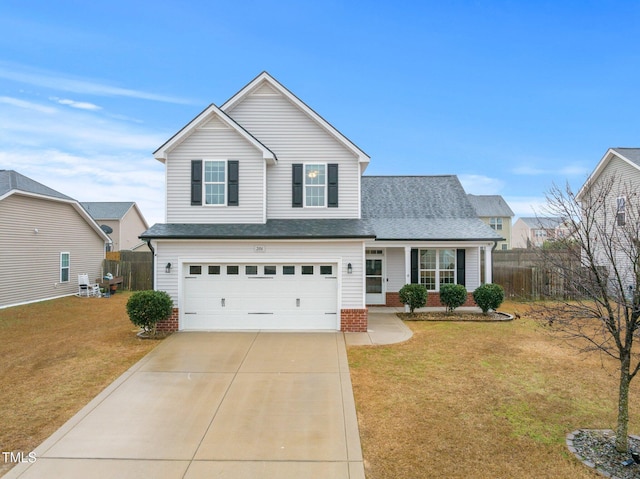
<point>271,225</point>
<point>123,217</point>
<point>494,211</point>
<point>618,169</point>
<point>532,232</point>
<point>46,240</point>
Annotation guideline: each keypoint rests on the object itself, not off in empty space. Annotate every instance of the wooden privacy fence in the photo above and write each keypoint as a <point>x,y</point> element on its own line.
<point>135,267</point>
<point>524,275</point>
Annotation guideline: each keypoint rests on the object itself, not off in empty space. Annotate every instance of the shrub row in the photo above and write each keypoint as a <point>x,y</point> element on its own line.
<point>488,296</point>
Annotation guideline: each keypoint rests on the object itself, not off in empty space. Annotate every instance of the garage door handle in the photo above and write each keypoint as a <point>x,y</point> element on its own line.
<point>222,301</point>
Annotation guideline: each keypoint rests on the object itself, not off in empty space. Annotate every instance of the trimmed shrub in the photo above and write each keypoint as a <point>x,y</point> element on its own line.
<point>453,296</point>
<point>146,308</point>
<point>413,295</point>
<point>488,296</point>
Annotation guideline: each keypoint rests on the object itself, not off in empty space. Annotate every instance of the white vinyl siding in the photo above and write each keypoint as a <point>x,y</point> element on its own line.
<point>213,143</point>
<point>30,263</point>
<point>274,252</point>
<point>296,138</point>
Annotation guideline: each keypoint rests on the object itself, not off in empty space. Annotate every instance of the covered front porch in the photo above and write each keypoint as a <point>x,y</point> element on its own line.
<point>391,265</point>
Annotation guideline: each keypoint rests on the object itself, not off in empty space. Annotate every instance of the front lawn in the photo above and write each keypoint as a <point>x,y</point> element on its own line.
<point>56,356</point>
<point>481,400</point>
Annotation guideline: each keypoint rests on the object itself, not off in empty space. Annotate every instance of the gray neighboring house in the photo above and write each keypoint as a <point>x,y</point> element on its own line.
<point>123,217</point>
<point>623,166</point>
<point>46,240</point>
<point>272,225</point>
<point>494,211</point>
<point>534,231</point>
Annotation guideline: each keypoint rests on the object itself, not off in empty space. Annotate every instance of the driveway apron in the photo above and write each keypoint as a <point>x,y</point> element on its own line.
<point>227,405</point>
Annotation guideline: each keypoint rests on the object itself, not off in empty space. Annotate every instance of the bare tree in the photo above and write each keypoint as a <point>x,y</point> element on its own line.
<point>601,307</point>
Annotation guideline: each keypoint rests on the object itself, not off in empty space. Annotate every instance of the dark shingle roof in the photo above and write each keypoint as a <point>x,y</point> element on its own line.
<point>490,205</point>
<point>107,210</point>
<point>421,208</point>
<point>273,229</point>
<point>632,154</point>
<point>12,180</point>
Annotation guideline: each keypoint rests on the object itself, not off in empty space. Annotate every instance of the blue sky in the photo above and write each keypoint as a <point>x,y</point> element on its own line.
<point>509,95</point>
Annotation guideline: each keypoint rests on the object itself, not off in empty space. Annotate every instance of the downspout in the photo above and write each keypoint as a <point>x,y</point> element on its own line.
<point>495,246</point>
<point>153,264</point>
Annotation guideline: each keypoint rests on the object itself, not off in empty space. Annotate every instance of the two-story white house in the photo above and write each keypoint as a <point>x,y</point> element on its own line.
<point>270,223</point>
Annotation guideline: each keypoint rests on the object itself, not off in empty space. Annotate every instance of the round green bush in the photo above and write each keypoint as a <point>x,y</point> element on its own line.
<point>453,296</point>
<point>488,296</point>
<point>413,295</point>
<point>146,308</point>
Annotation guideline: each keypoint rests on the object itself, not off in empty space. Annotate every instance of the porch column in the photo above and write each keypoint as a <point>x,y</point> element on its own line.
<point>407,270</point>
<point>487,264</point>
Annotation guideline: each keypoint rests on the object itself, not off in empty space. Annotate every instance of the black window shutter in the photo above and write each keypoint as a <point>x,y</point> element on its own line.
<point>296,185</point>
<point>332,177</point>
<point>196,182</point>
<point>460,266</point>
<point>414,267</point>
<point>232,182</point>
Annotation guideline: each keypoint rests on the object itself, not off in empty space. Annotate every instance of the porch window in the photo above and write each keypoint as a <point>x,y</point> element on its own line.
<point>437,267</point>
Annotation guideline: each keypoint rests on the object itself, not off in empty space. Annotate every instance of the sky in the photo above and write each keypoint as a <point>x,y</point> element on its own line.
<point>511,96</point>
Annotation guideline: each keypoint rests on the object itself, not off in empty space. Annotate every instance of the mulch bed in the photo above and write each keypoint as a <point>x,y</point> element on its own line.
<point>467,316</point>
<point>596,448</point>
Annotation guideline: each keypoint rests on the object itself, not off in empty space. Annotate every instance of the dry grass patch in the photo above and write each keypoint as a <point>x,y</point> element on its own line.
<point>57,356</point>
<point>481,400</point>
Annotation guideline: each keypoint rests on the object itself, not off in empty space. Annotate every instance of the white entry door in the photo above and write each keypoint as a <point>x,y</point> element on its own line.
<point>375,277</point>
<point>236,296</point>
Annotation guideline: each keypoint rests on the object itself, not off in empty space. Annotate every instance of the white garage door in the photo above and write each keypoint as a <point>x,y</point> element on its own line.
<point>259,296</point>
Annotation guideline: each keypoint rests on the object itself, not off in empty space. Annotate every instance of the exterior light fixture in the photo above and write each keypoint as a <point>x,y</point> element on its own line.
<point>167,268</point>
<point>349,268</point>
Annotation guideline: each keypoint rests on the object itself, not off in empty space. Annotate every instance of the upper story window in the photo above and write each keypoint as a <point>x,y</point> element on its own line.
<point>621,219</point>
<point>496,223</point>
<point>215,182</point>
<point>315,184</point>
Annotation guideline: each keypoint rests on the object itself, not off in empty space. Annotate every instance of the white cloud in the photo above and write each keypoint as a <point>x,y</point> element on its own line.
<point>26,105</point>
<point>81,105</point>
<point>57,81</point>
<point>526,205</point>
<point>481,185</point>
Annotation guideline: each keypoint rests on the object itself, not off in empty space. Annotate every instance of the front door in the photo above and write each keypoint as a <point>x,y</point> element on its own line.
<point>375,283</point>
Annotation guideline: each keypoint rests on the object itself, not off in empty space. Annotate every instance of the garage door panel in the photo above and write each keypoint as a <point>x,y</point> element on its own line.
<point>252,299</point>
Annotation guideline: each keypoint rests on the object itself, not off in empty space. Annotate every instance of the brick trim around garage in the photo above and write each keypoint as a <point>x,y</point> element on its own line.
<point>354,320</point>
<point>169,325</point>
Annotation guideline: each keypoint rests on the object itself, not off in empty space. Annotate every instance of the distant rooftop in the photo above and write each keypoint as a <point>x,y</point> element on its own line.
<point>107,210</point>
<point>543,222</point>
<point>490,205</point>
<point>12,180</point>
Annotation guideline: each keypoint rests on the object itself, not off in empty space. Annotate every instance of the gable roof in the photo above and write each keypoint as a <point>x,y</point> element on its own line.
<point>265,78</point>
<point>206,115</point>
<point>490,205</point>
<point>107,210</point>
<point>548,222</point>
<point>421,208</point>
<point>628,155</point>
<point>12,182</point>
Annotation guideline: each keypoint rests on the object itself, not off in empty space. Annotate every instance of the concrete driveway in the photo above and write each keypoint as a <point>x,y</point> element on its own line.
<point>226,405</point>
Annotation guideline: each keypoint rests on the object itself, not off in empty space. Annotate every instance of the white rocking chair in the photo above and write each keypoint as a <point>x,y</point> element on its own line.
<point>85,288</point>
